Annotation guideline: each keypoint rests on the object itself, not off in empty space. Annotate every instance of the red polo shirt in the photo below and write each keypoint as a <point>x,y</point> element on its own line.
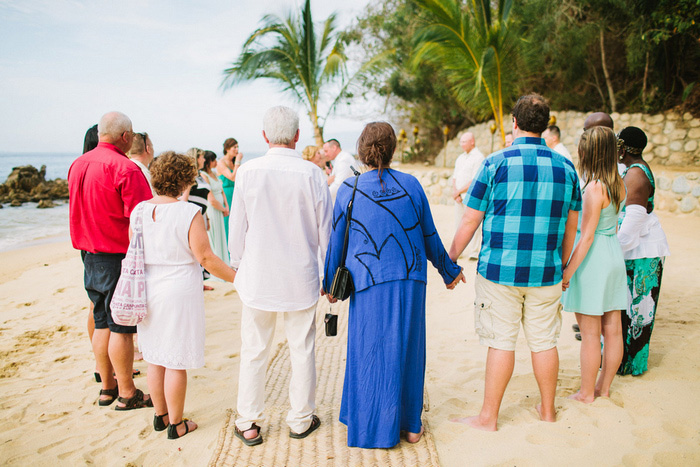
<point>104,187</point>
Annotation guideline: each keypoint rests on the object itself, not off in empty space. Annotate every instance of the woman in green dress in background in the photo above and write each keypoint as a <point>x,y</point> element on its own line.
<point>227,168</point>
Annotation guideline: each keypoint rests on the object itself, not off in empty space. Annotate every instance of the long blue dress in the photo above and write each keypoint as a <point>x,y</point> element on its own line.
<point>392,235</point>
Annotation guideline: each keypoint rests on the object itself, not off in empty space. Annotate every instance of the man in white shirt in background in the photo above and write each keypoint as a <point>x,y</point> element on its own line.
<point>280,223</point>
<point>552,136</point>
<point>341,160</point>
<point>466,167</point>
<point>141,153</point>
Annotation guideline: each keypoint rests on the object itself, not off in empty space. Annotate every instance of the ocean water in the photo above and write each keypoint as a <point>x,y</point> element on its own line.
<point>26,225</point>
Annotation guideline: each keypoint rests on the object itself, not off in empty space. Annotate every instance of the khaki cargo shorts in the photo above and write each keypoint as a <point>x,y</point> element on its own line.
<point>499,310</point>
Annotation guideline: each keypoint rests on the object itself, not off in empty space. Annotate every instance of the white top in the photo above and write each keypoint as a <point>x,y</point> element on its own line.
<point>146,173</point>
<point>561,149</point>
<point>342,171</point>
<point>641,235</point>
<point>466,167</point>
<point>278,230</point>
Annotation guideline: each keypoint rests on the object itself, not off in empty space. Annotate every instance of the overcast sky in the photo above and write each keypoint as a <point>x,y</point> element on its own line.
<point>65,63</point>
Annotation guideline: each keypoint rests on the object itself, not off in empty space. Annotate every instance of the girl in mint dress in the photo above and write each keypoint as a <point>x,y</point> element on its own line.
<point>595,281</point>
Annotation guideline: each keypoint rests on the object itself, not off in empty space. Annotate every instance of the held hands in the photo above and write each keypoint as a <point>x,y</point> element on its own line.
<point>454,283</point>
<point>566,279</point>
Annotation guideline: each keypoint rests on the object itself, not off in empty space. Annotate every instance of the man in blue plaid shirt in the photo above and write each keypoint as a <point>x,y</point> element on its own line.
<point>528,198</point>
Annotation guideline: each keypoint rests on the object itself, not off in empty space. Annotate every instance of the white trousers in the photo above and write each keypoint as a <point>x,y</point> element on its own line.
<point>472,250</point>
<point>257,331</point>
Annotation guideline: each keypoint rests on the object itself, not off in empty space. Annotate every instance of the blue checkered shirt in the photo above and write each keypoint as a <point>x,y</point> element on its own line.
<point>526,192</point>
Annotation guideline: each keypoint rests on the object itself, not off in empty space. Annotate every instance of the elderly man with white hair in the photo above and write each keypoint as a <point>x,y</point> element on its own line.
<point>104,187</point>
<point>466,167</point>
<point>279,227</point>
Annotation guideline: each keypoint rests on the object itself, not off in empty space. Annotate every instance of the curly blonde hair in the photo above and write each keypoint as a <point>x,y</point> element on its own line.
<point>172,173</point>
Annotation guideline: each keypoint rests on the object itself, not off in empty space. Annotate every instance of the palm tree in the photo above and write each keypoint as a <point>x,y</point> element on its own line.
<point>288,51</point>
<point>473,45</point>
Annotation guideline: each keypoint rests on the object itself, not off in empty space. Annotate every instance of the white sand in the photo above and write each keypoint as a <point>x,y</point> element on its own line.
<point>50,416</point>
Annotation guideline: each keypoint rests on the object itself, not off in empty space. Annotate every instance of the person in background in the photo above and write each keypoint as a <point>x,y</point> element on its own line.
<point>509,139</point>
<point>528,198</point>
<point>644,247</point>
<point>466,167</point>
<point>198,194</point>
<point>227,167</point>
<point>218,207</point>
<point>552,136</point>
<point>391,239</point>
<point>341,161</point>
<point>104,188</point>
<point>280,224</point>
<point>171,336</point>
<point>314,154</point>
<point>141,153</point>
<point>594,281</point>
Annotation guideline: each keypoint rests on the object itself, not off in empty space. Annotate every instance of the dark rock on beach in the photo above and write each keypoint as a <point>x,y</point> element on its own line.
<point>26,183</point>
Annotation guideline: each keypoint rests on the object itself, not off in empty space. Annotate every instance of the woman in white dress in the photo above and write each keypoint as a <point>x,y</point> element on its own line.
<point>219,208</point>
<point>175,243</point>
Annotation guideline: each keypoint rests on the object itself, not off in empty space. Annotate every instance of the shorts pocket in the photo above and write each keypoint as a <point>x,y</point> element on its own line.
<point>483,319</point>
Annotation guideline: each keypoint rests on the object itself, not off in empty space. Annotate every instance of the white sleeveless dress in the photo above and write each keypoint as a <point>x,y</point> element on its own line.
<point>172,334</point>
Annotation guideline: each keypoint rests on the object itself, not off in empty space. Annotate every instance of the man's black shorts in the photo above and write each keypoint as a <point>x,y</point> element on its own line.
<point>102,272</point>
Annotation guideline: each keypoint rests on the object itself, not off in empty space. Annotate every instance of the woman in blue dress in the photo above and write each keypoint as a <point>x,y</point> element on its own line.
<point>594,278</point>
<point>392,235</point>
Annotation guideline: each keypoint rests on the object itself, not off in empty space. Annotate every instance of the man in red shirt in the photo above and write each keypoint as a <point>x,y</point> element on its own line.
<point>104,187</point>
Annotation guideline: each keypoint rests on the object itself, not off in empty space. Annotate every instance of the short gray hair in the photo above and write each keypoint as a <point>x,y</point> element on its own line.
<point>113,124</point>
<point>280,125</point>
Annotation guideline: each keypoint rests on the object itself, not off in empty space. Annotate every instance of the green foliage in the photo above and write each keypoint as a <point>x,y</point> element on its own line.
<point>473,46</point>
<point>290,52</point>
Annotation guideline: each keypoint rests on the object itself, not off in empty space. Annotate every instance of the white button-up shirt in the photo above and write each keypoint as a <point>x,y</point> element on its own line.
<point>466,167</point>
<point>278,230</point>
<point>341,171</point>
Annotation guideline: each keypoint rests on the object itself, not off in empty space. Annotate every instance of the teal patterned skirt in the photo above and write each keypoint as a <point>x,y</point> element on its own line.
<point>643,283</point>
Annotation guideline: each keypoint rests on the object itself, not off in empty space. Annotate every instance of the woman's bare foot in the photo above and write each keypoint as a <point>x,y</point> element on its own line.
<point>545,418</point>
<point>581,398</point>
<point>251,433</point>
<point>414,437</point>
<point>476,422</point>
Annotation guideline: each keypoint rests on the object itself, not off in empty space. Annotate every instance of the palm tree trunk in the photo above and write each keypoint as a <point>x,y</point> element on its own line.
<point>613,104</point>
<point>318,130</point>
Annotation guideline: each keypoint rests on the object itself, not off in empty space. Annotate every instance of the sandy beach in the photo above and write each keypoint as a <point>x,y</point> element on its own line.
<point>48,397</point>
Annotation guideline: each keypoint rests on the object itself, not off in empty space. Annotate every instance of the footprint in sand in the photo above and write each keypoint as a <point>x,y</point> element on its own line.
<point>143,434</point>
<point>678,430</point>
<point>233,355</point>
<point>62,359</point>
<point>230,292</point>
<point>59,290</point>
<point>46,417</point>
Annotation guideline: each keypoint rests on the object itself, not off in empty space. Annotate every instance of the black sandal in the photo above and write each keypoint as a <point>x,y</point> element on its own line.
<point>113,393</point>
<point>172,429</point>
<point>137,401</point>
<point>315,423</point>
<point>158,423</point>
<point>249,442</point>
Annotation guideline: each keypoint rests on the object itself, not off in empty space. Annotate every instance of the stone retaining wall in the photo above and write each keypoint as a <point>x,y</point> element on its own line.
<point>677,193</point>
<point>674,139</point>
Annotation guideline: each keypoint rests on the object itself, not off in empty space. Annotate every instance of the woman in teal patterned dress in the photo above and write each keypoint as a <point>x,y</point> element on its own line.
<point>227,168</point>
<point>644,248</point>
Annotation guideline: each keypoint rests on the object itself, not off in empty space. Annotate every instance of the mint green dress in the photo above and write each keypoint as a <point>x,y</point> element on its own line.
<point>600,282</point>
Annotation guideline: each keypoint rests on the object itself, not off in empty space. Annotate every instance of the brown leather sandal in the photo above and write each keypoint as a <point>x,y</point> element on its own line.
<point>113,393</point>
<point>137,401</point>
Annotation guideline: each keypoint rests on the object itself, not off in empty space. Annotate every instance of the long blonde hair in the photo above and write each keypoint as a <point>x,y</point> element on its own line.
<point>597,160</point>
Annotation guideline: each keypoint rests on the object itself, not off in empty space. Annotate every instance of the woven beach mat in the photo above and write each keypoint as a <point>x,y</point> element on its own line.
<point>327,446</point>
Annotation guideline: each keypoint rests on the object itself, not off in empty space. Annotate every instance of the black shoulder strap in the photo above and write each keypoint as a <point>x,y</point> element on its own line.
<point>349,217</point>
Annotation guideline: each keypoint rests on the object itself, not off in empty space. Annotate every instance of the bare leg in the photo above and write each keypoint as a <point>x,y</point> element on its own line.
<point>156,386</point>
<point>545,365</point>
<point>590,356</point>
<point>499,369</point>
<point>175,392</point>
<point>100,345</point>
<point>612,352</point>
<point>121,353</point>
<point>91,321</point>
